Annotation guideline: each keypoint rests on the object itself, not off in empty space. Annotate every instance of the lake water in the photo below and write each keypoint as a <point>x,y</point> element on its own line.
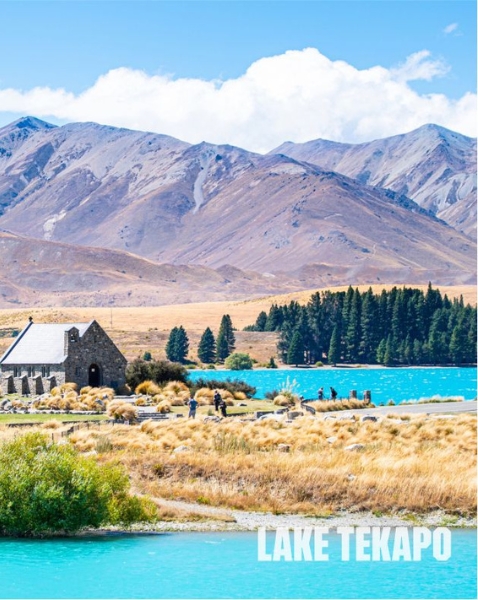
<point>220,565</point>
<point>385,384</point>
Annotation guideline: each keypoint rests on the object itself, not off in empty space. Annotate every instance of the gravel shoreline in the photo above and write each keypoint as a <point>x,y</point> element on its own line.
<point>239,520</point>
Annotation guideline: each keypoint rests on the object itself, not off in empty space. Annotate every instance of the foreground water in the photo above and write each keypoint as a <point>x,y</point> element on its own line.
<point>220,565</point>
<point>385,384</point>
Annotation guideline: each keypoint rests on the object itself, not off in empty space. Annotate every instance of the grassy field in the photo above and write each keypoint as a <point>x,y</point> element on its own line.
<point>136,330</point>
<point>406,463</point>
<point>7,419</point>
<point>412,463</point>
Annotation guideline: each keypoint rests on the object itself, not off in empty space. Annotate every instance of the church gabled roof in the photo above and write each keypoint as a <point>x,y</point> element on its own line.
<point>41,344</point>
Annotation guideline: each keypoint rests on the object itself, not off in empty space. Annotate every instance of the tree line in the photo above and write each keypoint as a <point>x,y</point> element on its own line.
<point>397,327</point>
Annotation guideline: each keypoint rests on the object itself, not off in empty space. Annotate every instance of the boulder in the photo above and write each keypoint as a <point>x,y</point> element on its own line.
<point>283,448</point>
<point>331,439</point>
<point>212,419</point>
<point>182,449</point>
<point>372,418</point>
<point>294,414</point>
<point>354,447</point>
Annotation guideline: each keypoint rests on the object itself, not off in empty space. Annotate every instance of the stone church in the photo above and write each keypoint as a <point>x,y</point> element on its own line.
<point>46,355</point>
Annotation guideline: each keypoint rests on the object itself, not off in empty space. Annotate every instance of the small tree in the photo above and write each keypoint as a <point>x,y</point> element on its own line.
<point>207,347</point>
<point>239,362</point>
<point>147,356</point>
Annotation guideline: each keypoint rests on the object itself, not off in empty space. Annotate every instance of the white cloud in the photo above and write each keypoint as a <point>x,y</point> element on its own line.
<point>450,28</point>
<point>298,96</point>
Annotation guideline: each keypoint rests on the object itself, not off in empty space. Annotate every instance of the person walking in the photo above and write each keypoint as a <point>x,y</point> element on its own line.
<point>320,393</point>
<point>333,393</point>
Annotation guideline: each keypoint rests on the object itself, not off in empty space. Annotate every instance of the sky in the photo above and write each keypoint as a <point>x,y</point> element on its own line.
<point>251,74</point>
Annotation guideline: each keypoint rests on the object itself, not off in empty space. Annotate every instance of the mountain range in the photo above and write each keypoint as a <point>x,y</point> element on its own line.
<point>85,209</point>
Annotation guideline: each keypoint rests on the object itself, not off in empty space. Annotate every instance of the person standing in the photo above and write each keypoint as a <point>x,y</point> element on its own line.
<point>223,407</point>
<point>217,400</point>
<point>320,393</point>
<point>333,393</point>
<point>193,404</point>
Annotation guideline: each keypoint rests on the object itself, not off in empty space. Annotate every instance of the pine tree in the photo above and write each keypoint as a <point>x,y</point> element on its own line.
<point>390,351</point>
<point>458,345</point>
<point>381,351</point>
<point>274,319</point>
<point>295,355</point>
<point>369,320</point>
<point>261,321</point>
<point>352,334</point>
<point>225,339</point>
<point>207,347</point>
<point>177,346</point>
<point>171,345</point>
<point>333,355</point>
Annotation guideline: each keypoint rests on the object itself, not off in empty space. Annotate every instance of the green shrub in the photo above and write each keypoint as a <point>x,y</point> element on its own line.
<point>47,488</point>
<point>231,385</point>
<point>238,362</point>
<point>159,371</point>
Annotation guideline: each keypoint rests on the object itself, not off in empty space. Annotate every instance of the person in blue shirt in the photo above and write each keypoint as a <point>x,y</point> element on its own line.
<point>193,404</point>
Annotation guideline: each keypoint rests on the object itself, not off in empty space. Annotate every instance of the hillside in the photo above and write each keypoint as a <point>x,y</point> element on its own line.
<point>39,273</point>
<point>289,224</point>
<point>432,165</point>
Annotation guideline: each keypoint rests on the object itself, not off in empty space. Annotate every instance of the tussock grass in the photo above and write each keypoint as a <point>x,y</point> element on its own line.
<point>332,405</point>
<point>414,463</point>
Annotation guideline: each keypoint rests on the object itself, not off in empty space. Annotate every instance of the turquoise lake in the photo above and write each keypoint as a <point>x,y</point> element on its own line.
<point>220,565</point>
<point>385,384</point>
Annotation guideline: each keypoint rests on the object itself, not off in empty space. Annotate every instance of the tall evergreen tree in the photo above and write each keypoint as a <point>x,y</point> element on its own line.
<point>353,333</point>
<point>260,324</point>
<point>177,346</point>
<point>207,347</point>
<point>225,339</point>
<point>369,328</point>
<point>295,355</point>
<point>333,355</point>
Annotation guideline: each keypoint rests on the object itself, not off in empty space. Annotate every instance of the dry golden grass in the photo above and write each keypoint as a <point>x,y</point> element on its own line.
<point>138,329</point>
<point>414,463</point>
<point>331,405</point>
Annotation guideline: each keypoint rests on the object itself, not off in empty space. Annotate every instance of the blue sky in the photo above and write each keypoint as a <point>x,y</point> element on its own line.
<point>70,44</point>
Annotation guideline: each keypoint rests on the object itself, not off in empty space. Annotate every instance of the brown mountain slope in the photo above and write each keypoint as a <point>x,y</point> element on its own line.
<point>39,273</point>
<point>432,165</point>
<point>210,205</point>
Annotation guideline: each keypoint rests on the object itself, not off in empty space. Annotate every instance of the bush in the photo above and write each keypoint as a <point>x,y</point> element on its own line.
<point>238,362</point>
<point>47,488</point>
<point>159,371</point>
<point>232,386</point>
